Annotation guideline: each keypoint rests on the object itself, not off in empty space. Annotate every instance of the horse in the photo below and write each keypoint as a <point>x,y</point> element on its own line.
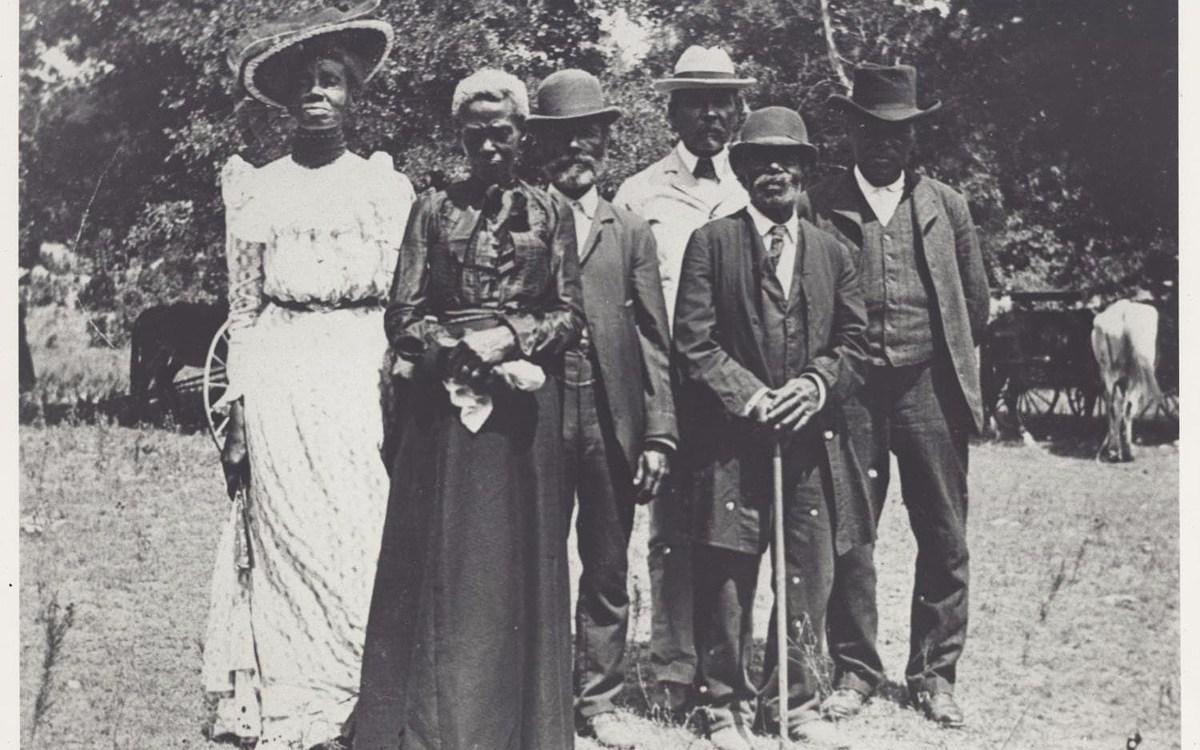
<point>164,340</point>
<point>1124,339</point>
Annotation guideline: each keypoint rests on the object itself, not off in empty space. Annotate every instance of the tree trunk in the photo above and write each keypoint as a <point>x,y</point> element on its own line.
<point>835,60</point>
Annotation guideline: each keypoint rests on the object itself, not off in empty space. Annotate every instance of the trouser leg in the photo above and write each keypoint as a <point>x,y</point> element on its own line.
<point>931,441</point>
<point>725,587</point>
<point>603,528</point>
<point>672,646</point>
<point>808,560</point>
<point>852,619</point>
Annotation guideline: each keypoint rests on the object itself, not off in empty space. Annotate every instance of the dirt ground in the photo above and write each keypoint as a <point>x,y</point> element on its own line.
<point>1074,639</point>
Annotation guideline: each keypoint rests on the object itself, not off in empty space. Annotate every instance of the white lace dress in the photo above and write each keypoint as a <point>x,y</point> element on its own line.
<point>311,256</point>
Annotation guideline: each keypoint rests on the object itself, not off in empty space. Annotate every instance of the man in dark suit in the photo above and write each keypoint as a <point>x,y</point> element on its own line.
<point>619,417</point>
<point>927,300</point>
<point>768,342</point>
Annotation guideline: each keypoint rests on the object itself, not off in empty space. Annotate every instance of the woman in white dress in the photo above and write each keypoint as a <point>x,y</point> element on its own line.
<point>312,241</point>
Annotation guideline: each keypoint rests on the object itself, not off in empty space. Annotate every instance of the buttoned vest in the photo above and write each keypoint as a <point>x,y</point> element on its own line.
<point>785,329</point>
<point>897,289</point>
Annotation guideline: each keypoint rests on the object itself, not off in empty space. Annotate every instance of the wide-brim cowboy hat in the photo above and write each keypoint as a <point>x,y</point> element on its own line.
<point>703,68</point>
<point>263,57</point>
<point>571,95</point>
<point>887,93</point>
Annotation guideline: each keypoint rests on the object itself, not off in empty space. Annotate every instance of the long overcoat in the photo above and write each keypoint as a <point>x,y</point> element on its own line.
<point>627,323</point>
<point>718,350</point>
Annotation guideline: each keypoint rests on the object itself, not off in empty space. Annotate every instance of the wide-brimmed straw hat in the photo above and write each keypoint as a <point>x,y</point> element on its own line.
<point>887,93</point>
<point>773,127</point>
<point>263,56</point>
<point>703,68</point>
<point>570,94</point>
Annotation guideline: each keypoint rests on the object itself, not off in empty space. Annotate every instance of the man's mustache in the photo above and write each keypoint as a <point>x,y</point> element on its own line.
<point>575,160</point>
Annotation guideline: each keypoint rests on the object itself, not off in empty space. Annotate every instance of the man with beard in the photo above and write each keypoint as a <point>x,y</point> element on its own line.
<point>689,186</point>
<point>926,294</point>
<point>619,414</point>
<point>768,344</point>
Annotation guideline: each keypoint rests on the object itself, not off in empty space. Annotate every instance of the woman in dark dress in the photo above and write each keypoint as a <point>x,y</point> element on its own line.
<point>468,637</point>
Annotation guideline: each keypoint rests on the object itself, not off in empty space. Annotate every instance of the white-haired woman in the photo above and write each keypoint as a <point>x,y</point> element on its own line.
<point>312,240</point>
<point>468,639</point>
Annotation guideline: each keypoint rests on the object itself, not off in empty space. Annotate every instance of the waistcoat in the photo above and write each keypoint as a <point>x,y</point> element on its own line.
<point>897,289</point>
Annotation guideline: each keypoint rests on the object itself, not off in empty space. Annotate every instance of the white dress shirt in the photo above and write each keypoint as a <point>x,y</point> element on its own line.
<point>882,200</point>
<point>785,268</point>
<point>584,210</point>
<point>710,188</point>
<point>786,265</point>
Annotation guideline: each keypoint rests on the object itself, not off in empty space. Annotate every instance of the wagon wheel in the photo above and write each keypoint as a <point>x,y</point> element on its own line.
<point>215,382</point>
<point>1037,402</point>
<point>1081,401</point>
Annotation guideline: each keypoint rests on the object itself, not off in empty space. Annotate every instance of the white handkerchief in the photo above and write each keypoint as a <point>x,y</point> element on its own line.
<point>475,408</point>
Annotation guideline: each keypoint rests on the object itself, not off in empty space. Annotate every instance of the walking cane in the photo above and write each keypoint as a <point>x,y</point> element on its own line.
<point>781,632</point>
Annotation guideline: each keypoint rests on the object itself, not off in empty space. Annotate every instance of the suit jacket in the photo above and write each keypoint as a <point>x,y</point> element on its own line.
<point>951,252</point>
<point>627,325</point>
<point>667,195</point>
<point>718,349</point>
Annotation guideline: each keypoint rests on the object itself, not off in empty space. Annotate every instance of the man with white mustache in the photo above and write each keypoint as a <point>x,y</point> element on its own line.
<point>769,341</point>
<point>619,415</point>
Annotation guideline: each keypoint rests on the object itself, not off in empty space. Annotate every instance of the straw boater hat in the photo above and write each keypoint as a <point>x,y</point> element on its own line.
<point>703,68</point>
<point>568,95</point>
<point>887,93</point>
<point>772,127</point>
<point>262,57</point>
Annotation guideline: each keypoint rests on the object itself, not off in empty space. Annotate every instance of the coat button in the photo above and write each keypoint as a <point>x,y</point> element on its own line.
<point>872,473</point>
<point>829,434</point>
<point>729,505</point>
<point>813,512</point>
<point>796,580</point>
<point>666,550</point>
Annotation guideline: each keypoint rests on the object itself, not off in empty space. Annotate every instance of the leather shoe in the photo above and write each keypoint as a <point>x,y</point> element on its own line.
<point>843,703</point>
<point>940,708</point>
<point>819,733</point>
<point>611,730</point>
<point>729,738</point>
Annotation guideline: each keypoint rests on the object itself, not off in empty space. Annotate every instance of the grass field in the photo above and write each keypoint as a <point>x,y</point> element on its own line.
<point>1074,638</point>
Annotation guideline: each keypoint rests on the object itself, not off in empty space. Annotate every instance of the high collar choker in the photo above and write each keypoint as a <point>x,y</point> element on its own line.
<point>316,148</point>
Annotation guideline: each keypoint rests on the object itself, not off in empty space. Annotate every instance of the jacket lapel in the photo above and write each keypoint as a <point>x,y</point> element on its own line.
<point>604,216</point>
<point>750,266</point>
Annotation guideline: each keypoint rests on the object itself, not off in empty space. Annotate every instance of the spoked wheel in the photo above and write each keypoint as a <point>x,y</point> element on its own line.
<point>216,381</point>
<point>1038,402</point>
<point>1169,406</point>
<point>1081,401</point>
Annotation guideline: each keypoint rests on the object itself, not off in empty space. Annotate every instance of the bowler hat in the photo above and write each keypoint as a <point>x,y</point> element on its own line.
<point>775,127</point>
<point>571,94</point>
<point>262,57</point>
<point>887,93</point>
<point>703,68</point>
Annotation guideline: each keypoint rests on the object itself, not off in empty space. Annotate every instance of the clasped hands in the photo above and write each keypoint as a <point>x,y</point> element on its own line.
<point>789,407</point>
<point>470,361</point>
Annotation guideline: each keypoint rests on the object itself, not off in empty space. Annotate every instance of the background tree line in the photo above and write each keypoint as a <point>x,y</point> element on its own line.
<point>1059,120</point>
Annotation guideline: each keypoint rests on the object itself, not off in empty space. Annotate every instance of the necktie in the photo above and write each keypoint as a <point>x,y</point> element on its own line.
<point>704,169</point>
<point>776,248</point>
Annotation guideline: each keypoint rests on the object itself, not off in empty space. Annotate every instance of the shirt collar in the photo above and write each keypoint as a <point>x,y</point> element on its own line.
<point>763,225</point>
<point>868,189</point>
<point>589,201</point>
<point>720,161</point>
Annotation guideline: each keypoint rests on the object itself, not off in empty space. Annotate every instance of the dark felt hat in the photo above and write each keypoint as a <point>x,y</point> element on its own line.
<point>262,57</point>
<point>773,127</point>
<point>887,93</point>
<point>570,94</point>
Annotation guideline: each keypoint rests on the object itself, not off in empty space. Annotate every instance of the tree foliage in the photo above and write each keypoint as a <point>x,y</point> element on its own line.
<point>1059,118</point>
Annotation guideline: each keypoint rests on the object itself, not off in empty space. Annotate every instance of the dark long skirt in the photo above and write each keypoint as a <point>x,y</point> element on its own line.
<point>468,645</point>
